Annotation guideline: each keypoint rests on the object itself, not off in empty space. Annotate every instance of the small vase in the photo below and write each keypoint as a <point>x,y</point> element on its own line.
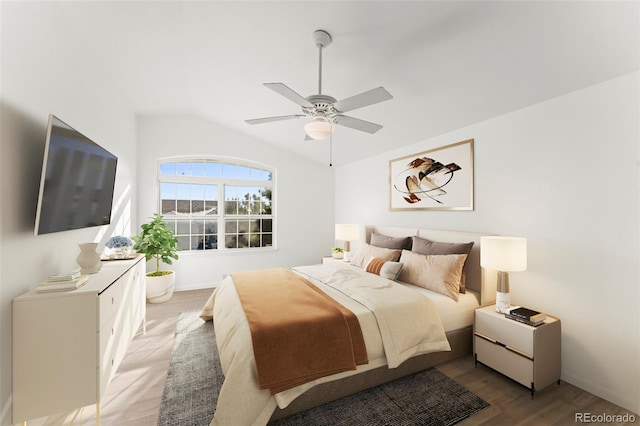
<point>89,259</point>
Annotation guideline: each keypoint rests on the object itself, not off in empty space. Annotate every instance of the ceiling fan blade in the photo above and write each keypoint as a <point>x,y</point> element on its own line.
<point>270,119</point>
<point>369,97</point>
<point>356,123</point>
<point>285,91</point>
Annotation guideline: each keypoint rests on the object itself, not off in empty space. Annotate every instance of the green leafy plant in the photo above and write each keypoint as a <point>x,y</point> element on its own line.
<point>337,249</point>
<point>157,241</point>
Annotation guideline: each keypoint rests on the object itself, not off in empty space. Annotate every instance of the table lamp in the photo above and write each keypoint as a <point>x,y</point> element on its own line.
<point>503,254</point>
<point>347,232</point>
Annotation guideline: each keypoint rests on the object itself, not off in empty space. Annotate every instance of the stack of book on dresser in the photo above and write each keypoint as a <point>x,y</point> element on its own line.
<point>526,316</point>
<point>64,281</point>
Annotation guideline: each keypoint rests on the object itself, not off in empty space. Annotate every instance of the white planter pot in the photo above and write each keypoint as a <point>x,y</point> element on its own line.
<point>160,289</point>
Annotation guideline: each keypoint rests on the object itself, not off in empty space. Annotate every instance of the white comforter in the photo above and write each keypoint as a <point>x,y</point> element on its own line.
<point>396,322</point>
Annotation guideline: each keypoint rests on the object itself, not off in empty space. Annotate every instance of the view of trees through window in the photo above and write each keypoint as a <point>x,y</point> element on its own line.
<point>216,204</point>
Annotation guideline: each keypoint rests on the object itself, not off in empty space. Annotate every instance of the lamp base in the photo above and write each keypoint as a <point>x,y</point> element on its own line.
<point>502,302</point>
<point>502,293</point>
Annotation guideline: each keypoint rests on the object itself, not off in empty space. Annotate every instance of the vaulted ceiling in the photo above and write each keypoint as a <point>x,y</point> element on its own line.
<point>448,64</point>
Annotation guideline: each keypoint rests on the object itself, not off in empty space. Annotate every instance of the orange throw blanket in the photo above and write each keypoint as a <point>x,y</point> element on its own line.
<point>298,332</point>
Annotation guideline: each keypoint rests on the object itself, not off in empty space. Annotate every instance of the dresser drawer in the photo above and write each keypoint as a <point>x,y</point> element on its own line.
<point>109,301</point>
<point>108,340</point>
<point>511,333</point>
<point>501,359</point>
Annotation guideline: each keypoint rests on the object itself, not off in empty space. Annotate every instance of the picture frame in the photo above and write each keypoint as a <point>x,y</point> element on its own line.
<point>437,179</point>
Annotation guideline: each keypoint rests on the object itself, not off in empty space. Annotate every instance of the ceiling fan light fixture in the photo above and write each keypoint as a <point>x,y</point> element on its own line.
<point>318,129</point>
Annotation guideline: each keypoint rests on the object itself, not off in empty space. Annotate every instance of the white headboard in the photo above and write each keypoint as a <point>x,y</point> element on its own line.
<point>478,279</point>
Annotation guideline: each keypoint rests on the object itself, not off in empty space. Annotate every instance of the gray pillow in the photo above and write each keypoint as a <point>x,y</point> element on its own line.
<point>385,241</point>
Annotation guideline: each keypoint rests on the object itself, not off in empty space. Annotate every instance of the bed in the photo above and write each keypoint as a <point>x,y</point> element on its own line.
<point>241,401</point>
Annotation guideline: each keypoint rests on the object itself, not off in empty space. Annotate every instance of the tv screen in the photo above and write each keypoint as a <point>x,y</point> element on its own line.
<point>76,186</point>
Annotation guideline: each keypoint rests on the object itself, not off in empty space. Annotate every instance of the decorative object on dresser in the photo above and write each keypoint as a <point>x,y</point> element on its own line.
<point>70,281</point>
<point>157,241</point>
<point>89,259</point>
<point>119,247</point>
<point>67,345</point>
<point>347,233</point>
<point>503,254</point>
<point>530,355</point>
<point>437,179</point>
<point>526,316</point>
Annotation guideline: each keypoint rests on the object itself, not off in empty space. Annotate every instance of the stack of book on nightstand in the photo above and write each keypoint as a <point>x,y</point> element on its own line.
<point>526,316</point>
<point>64,281</point>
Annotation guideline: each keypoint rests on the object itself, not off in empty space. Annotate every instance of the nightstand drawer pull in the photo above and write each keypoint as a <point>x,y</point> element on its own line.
<point>488,339</point>
<point>509,348</point>
<point>517,352</point>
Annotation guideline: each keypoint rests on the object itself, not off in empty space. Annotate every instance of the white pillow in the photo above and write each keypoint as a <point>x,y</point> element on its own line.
<point>439,273</point>
<point>385,268</point>
<point>366,252</point>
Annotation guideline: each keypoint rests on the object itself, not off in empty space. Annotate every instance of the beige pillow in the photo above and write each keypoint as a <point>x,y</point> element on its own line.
<point>385,268</point>
<point>366,252</point>
<point>439,273</point>
<point>424,246</point>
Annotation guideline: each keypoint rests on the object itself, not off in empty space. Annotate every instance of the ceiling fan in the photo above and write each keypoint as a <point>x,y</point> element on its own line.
<point>325,110</point>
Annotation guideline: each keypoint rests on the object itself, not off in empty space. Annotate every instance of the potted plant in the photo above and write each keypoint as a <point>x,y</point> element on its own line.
<point>157,241</point>
<point>337,252</point>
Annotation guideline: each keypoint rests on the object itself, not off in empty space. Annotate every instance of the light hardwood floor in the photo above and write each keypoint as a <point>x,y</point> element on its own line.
<point>133,397</point>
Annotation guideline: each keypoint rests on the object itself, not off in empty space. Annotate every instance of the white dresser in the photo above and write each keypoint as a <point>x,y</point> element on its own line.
<point>68,344</point>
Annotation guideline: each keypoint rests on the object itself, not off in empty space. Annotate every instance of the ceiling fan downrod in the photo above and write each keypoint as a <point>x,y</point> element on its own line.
<point>322,39</point>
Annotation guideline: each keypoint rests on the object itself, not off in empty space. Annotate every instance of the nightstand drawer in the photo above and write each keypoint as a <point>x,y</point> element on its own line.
<point>500,358</point>
<point>508,332</point>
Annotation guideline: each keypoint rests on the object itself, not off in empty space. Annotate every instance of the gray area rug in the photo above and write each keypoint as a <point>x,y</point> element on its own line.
<point>195,377</point>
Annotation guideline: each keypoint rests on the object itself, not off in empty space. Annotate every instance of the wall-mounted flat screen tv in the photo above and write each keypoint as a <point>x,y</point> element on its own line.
<point>77,181</point>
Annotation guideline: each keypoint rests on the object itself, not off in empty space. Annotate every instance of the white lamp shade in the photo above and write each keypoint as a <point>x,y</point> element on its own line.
<point>507,254</point>
<point>318,129</point>
<point>347,231</point>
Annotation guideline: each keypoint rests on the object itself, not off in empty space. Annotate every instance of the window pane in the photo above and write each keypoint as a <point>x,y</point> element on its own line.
<point>183,169</point>
<point>230,241</point>
<point>267,225</point>
<point>168,169</point>
<point>243,226</point>
<point>231,226</point>
<point>230,171</point>
<point>167,198</point>
<point>211,242</point>
<point>183,227</point>
<point>244,172</point>
<point>184,242</point>
<point>267,240</point>
<point>171,224</point>
<point>212,169</point>
<point>255,240</point>
<point>210,226</point>
<point>197,169</point>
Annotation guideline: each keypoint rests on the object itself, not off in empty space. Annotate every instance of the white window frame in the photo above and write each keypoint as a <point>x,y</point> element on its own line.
<point>221,183</point>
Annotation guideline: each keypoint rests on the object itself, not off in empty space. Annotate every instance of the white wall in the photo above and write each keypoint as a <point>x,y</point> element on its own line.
<point>303,200</point>
<point>47,69</point>
<point>563,174</point>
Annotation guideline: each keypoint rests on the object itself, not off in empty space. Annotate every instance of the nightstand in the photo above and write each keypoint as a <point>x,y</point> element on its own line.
<point>329,259</point>
<point>529,355</point>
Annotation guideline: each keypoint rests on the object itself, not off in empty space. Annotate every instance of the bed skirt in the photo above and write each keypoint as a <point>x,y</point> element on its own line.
<point>461,342</point>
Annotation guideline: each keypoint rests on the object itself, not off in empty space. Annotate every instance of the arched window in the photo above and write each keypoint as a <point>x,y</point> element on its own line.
<point>217,204</point>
